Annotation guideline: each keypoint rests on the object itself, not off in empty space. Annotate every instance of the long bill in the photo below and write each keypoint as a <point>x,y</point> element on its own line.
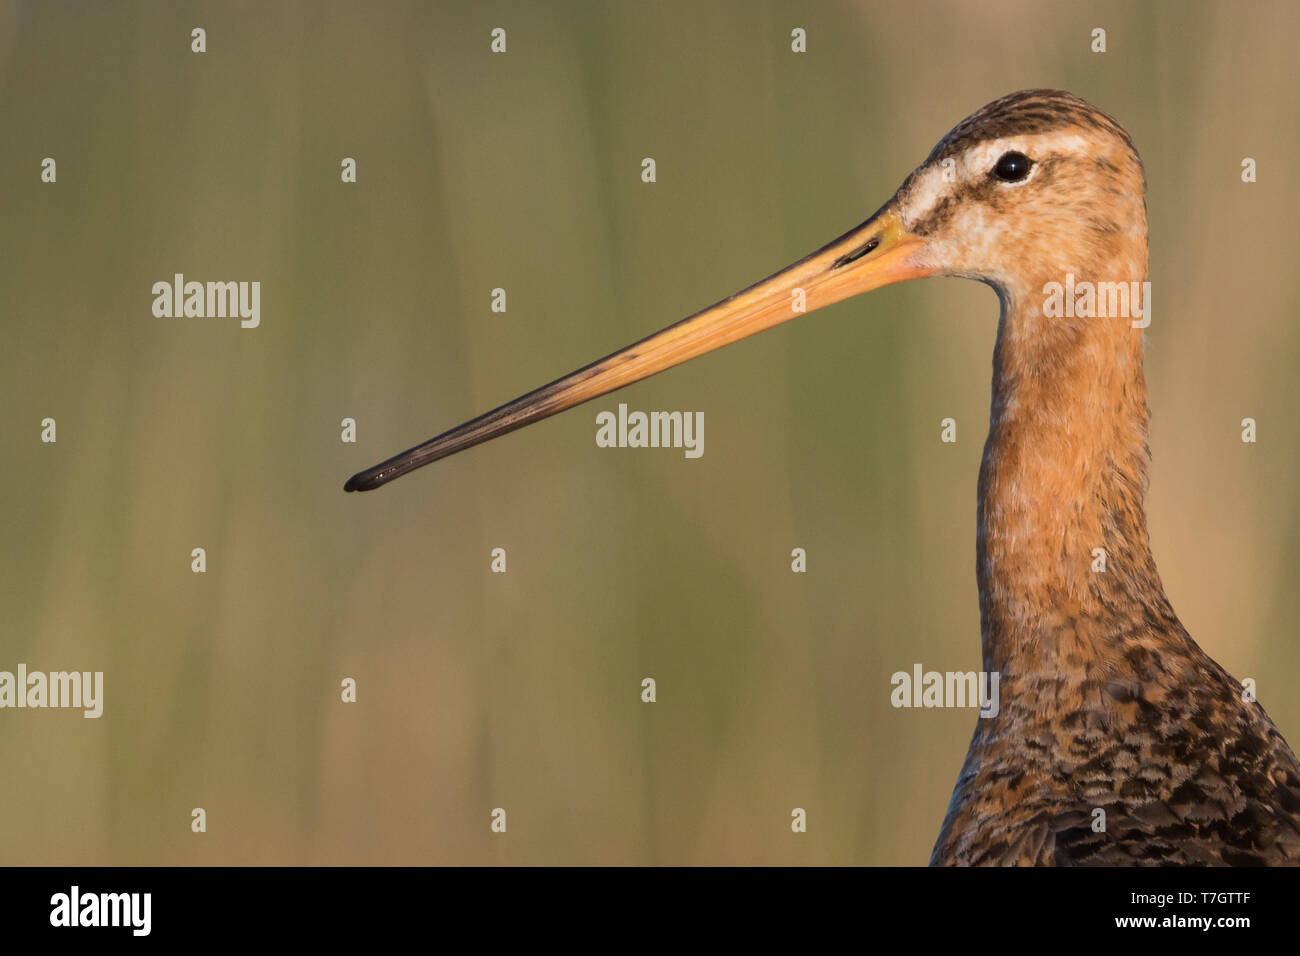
<point>876,253</point>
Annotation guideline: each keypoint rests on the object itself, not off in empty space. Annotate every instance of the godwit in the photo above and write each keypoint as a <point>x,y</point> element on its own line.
<point>1118,740</point>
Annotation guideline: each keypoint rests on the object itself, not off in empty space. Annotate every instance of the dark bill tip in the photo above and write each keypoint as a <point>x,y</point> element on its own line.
<point>372,478</point>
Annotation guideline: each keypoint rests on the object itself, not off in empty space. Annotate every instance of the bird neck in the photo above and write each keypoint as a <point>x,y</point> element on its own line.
<point>1062,538</point>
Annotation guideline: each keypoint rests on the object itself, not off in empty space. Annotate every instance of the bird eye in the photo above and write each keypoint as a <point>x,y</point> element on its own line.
<point>1012,167</point>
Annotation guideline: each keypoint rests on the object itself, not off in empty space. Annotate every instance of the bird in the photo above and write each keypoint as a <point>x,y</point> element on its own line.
<point>1117,740</point>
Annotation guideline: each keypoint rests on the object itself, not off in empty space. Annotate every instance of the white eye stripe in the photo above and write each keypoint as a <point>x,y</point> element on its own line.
<point>929,188</point>
<point>936,183</point>
<point>981,159</point>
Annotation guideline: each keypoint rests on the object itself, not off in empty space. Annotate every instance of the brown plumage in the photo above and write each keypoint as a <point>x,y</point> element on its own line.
<point>1109,711</point>
<point>1106,702</point>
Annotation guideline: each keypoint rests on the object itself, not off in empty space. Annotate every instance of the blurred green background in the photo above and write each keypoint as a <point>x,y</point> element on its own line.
<point>522,171</point>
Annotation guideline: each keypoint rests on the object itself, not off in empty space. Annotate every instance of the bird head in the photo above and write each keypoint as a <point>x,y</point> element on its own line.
<point>1033,186</point>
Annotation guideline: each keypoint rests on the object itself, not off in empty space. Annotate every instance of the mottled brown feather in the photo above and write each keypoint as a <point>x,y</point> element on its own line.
<point>1107,702</point>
